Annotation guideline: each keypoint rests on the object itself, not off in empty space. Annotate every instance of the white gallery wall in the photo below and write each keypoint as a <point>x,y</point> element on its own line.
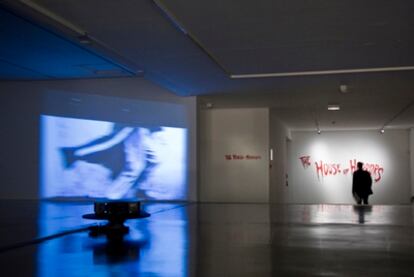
<point>233,155</point>
<point>320,166</point>
<point>412,161</point>
<point>279,137</point>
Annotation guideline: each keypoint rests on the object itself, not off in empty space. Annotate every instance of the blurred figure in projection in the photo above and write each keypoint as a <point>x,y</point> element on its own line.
<point>129,153</point>
<point>142,156</point>
<point>361,184</point>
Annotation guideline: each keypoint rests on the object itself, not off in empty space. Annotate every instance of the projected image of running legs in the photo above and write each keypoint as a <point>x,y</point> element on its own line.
<point>123,162</point>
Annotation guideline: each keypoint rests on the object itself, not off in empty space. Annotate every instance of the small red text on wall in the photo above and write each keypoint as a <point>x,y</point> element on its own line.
<point>230,157</point>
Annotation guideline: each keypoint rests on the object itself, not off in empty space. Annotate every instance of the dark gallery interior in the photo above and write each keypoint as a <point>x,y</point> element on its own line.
<point>206,138</point>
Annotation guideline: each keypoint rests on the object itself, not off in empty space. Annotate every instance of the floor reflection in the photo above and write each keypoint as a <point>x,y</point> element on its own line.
<point>362,211</point>
<point>112,252</point>
<point>155,243</point>
<point>214,240</point>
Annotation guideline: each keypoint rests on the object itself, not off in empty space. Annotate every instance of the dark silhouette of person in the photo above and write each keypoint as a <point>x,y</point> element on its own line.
<point>361,184</point>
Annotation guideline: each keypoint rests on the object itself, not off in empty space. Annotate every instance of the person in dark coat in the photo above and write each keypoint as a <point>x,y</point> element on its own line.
<point>361,184</point>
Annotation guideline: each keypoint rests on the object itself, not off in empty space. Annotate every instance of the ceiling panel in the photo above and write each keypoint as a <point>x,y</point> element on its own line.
<point>29,51</point>
<point>221,38</point>
<point>251,37</point>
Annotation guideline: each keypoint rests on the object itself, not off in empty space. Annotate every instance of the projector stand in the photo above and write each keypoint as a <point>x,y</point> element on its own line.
<point>116,212</point>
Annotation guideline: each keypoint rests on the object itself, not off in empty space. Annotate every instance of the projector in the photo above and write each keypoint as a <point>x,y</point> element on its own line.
<point>116,212</point>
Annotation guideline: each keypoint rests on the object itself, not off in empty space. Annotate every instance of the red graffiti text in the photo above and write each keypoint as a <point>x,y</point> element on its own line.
<point>324,169</point>
<point>305,161</point>
<point>375,170</point>
<point>327,169</point>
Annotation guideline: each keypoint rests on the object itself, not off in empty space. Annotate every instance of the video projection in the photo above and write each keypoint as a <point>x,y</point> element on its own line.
<point>82,158</point>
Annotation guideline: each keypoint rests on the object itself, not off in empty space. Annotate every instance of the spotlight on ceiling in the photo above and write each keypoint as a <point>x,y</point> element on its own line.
<point>84,39</point>
<point>209,105</point>
<point>319,131</point>
<point>382,131</point>
<point>343,88</point>
<point>333,107</point>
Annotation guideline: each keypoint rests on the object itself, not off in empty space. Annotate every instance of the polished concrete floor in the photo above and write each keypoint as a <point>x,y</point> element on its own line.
<point>182,239</point>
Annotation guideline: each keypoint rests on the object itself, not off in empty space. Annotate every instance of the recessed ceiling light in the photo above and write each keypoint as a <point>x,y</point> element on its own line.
<point>84,39</point>
<point>75,99</point>
<point>109,72</point>
<point>333,107</point>
<point>343,88</point>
